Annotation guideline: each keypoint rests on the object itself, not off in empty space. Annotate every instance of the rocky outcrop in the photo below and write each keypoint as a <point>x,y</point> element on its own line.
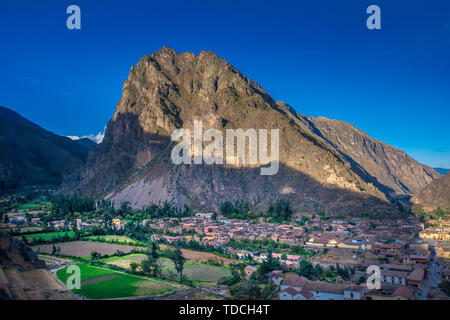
<point>166,91</point>
<point>434,195</point>
<point>16,253</point>
<point>391,170</point>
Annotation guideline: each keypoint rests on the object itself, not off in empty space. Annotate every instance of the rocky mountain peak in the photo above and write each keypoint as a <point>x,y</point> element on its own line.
<point>167,90</point>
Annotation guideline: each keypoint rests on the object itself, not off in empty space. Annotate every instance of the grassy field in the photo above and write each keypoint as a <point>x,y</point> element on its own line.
<point>199,256</point>
<point>195,271</point>
<point>50,235</point>
<point>122,285</point>
<point>30,206</point>
<point>199,272</point>
<point>125,261</point>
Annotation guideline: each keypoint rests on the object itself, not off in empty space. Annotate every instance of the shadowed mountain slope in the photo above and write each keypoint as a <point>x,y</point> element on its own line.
<point>166,91</point>
<point>32,155</point>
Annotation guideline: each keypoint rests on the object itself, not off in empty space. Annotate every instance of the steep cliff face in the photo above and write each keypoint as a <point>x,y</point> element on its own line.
<point>16,253</point>
<point>391,170</point>
<point>434,195</point>
<point>32,155</point>
<point>166,91</point>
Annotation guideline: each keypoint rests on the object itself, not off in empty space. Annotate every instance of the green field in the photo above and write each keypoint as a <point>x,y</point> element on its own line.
<point>87,272</point>
<point>50,235</point>
<point>124,285</point>
<point>135,257</point>
<point>195,271</point>
<point>200,272</point>
<point>30,206</point>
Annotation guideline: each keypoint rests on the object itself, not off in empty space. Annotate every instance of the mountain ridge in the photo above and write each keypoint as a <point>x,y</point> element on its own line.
<point>435,195</point>
<point>379,162</point>
<point>166,91</point>
<point>30,154</point>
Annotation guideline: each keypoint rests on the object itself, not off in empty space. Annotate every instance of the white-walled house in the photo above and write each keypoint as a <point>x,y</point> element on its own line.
<point>394,277</point>
<point>298,288</point>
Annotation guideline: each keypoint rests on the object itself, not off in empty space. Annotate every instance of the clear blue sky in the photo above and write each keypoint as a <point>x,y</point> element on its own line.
<point>318,56</point>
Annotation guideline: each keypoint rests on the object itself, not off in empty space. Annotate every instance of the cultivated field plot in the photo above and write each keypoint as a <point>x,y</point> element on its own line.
<point>201,272</point>
<point>205,256</point>
<point>84,248</point>
<point>125,261</point>
<point>193,270</point>
<point>103,283</point>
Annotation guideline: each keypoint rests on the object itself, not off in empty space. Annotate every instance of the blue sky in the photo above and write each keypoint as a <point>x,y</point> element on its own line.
<point>318,56</point>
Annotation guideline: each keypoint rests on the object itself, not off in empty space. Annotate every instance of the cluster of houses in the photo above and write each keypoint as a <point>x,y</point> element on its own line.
<point>395,247</point>
<point>436,233</point>
<point>399,247</point>
<point>295,287</point>
<point>400,280</point>
<point>340,241</point>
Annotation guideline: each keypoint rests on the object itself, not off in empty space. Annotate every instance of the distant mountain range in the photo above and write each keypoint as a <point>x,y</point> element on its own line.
<point>325,164</point>
<point>31,155</point>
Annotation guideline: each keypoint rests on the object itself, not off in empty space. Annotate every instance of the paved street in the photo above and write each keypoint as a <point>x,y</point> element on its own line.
<point>433,275</point>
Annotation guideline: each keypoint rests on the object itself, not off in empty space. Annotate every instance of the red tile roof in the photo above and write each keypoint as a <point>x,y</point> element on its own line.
<point>404,291</point>
<point>416,275</point>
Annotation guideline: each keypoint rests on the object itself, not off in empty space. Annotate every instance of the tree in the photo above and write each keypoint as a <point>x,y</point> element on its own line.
<point>154,251</point>
<point>268,265</point>
<point>95,256</point>
<point>227,208</point>
<point>281,210</point>
<point>151,264</point>
<point>146,266</point>
<point>178,260</point>
<point>306,269</point>
<point>125,209</point>
<point>134,266</point>
<point>318,270</point>
<point>235,275</point>
<point>249,289</point>
<point>54,251</point>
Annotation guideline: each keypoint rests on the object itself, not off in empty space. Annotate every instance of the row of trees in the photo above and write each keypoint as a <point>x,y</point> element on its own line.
<point>307,270</point>
<point>279,211</point>
<point>63,204</point>
<point>152,211</point>
<point>267,244</point>
<point>151,265</point>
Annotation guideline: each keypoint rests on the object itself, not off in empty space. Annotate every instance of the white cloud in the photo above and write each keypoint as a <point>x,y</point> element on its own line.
<point>94,137</point>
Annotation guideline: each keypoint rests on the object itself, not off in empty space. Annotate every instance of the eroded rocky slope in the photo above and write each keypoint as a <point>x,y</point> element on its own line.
<point>166,91</point>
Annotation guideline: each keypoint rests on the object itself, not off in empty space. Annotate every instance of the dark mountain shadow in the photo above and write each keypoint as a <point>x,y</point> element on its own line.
<point>30,155</point>
<point>205,187</point>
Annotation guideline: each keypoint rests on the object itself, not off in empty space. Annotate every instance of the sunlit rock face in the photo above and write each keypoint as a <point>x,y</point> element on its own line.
<point>166,91</point>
